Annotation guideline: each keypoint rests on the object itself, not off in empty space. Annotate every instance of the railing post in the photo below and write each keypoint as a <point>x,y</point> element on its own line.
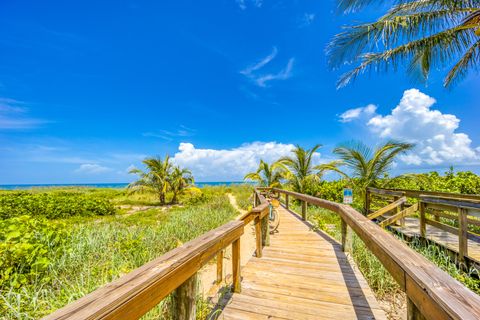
<point>237,286</point>
<point>412,311</point>
<point>423,227</point>
<point>254,199</point>
<point>185,300</point>
<point>286,201</point>
<point>265,230</point>
<point>367,202</point>
<point>258,237</point>
<point>462,234</point>
<point>220,267</point>
<point>304,210</point>
<point>346,237</point>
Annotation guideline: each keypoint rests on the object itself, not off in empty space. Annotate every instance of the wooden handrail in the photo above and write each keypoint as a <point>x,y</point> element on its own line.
<point>135,293</point>
<point>418,193</point>
<point>434,293</point>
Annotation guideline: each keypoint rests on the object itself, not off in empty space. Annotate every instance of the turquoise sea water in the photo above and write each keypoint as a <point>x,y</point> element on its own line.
<point>102,185</point>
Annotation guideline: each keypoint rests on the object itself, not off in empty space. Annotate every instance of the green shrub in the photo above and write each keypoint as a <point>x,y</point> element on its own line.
<point>53,205</point>
<point>27,246</point>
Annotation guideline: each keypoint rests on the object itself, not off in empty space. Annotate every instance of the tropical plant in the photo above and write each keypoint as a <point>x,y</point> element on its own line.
<point>365,166</point>
<point>179,180</point>
<point>155,179</point>
<point>423,34</point>
<point>267,175</point>
<point>299,168</point>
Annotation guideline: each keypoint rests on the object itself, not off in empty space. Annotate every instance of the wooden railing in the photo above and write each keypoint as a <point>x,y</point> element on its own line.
<point>462,210</point>
<point>134,294</point>
<point>431,292</point>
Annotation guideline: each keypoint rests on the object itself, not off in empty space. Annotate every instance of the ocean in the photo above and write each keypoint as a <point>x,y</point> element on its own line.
<point>103,185</point>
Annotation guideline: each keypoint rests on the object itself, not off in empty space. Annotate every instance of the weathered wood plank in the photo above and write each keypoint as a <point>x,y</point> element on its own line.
<point>387,208</point>
<point>447,296</point>
<point>402,214</point>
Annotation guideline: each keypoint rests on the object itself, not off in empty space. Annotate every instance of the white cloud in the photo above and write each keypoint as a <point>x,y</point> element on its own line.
<point>434,133</point>
<point>13,116</point>
<point>243,3</point>
<point>261,80</point>
<point>229,164</point>
<point>284,74</point>
<point>248,71</point>
<point>91,168</point>
<point>168,135</point>
<point>356,113</point>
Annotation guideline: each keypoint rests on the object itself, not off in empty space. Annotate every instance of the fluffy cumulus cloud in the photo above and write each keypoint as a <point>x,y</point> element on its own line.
<point>434,133</point>
<point>91,168</point>
<point>229,164</point>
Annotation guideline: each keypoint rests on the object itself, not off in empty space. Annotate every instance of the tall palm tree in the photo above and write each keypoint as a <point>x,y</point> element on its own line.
<point>300,170</point>
<point>266,175</point>
<point>155,178</point>
<point>423,34</point>
<point>365,166</point>
<point>179,180</point>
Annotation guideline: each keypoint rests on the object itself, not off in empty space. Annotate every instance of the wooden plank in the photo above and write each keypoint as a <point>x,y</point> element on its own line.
<point>387,192</point>
<point>185,300</point>
<point>402,214</point>
<point>387,208</point>
<point>417,193</point>
<point>452,202</point>
<point>220,267</point>
<point>462,234</point>
<point>258,237</point>
<point>306,279</point>
<point>440,214</point>
<point>439,291</point>
<point>132,295</point>
<point>304,210</point>
<point>236,287</point>
<point>423,230</point>
<point>346,237</point>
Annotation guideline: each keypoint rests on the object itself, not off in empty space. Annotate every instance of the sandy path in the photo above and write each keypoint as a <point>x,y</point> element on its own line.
<point>208,274</point>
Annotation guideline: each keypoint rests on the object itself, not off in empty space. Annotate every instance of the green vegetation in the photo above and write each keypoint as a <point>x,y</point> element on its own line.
<point>54,204</point>
<point>423,34</point>
<point>161,177</point>
<point>47,263</point>
<point>300,172</point>
<point>266,175</point>
<point>366,166</point>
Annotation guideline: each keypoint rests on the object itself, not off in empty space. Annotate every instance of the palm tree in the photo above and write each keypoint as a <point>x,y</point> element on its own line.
<point>365,166</point>
<point>423,34</point>
<point>155,179</point>
<point>300,170</point>
<point>179,180</point>
<point>266,175</point>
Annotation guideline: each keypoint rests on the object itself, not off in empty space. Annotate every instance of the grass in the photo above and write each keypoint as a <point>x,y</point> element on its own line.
<point>243,194</point>
<point>100,249</point>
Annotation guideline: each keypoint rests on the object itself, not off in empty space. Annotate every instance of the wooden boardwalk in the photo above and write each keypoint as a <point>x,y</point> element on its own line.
<point>439,236</point>
<point>303,274</point>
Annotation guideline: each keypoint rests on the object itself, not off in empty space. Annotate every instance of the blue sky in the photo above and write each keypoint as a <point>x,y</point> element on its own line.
<point>89,88</point>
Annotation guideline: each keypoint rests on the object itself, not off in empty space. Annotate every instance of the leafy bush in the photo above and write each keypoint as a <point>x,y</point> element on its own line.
<point>26,247</point>
<point>53,205</point>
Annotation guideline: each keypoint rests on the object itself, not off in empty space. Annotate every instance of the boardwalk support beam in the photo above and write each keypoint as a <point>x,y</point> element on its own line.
<point>304,210</point>
<point>237,287</point>
<point>185,300</point>
<point>346,237</point>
